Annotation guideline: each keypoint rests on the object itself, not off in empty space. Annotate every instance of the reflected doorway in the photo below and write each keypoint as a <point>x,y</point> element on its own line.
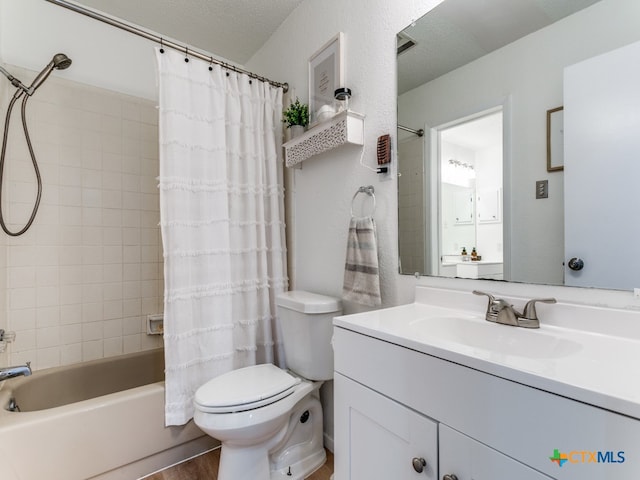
<point>470,224</point>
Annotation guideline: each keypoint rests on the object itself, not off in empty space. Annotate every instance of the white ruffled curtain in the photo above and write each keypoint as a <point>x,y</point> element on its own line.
<point>222,222</point>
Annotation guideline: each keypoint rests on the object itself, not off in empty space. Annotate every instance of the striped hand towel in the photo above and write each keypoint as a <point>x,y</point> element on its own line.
<point>361,275</point>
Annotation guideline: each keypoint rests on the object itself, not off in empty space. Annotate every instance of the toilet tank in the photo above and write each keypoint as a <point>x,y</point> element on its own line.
<point>306,320</point>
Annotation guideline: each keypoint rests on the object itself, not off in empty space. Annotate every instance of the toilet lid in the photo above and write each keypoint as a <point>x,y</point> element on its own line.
<point>245,389</point>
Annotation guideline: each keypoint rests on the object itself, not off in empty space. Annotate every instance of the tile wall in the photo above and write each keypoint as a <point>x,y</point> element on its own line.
<point>80,283</point>
<point>411,202</point>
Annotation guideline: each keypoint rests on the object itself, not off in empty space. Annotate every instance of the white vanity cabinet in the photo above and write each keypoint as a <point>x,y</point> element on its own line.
<point>383,439</point>
<point>394,403</point>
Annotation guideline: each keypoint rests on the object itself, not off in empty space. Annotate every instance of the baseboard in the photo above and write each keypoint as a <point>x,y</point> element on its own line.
<point>328,442</point>
<point>161,460</point>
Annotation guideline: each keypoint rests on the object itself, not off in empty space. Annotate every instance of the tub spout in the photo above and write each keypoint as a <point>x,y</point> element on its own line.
<point>10,372</point>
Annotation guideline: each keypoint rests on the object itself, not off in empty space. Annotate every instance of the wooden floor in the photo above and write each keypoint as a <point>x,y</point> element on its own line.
<point>205,467</point>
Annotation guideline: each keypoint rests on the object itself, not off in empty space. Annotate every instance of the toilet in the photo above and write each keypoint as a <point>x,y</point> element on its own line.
<point>269,420</point>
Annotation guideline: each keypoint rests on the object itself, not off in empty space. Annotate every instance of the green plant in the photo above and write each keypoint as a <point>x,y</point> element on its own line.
<point>296,114</point>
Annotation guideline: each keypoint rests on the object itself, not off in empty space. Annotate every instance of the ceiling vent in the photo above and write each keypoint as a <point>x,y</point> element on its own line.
<point>404,42</point>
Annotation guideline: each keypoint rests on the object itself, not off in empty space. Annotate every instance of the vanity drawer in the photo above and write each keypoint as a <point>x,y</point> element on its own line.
<point>466,458</point>
<point>522,422</point>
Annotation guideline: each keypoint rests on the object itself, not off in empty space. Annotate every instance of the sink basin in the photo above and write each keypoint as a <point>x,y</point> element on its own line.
<point>489,336</point>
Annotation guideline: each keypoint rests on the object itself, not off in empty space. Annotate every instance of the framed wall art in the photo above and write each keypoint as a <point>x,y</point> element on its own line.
<point>326,73</point>
<point>555,139</point>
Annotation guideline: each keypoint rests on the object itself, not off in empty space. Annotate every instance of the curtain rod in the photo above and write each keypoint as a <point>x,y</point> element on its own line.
<point>167,43</point>
<point>419,133</point>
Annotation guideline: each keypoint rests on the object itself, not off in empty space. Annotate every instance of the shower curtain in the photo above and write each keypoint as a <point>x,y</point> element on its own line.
<point>221,216</point>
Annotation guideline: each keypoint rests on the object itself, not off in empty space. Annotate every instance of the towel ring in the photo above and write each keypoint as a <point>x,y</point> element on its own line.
<point>369,190</point>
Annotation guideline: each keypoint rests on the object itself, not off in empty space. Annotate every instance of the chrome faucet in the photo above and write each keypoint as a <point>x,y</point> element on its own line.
<point>501,311</point>
<point>10,372</point>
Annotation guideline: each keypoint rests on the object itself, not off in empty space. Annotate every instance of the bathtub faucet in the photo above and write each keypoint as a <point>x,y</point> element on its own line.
<point>10,372</point>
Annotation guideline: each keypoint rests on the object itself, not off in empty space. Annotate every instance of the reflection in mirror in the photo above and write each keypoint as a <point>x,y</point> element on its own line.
<point>472,57</point>
<point>470,186</point>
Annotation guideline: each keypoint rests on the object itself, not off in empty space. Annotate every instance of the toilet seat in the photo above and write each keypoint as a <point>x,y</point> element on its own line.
<point>245,389</point>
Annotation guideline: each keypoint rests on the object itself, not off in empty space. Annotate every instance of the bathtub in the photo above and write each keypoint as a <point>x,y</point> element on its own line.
<point>96,420</point>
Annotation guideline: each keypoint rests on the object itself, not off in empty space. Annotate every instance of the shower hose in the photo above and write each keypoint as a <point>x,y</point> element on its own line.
<point>16,96</point>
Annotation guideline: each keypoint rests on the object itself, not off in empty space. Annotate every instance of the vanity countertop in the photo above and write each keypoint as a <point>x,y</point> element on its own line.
<point>585,364</point>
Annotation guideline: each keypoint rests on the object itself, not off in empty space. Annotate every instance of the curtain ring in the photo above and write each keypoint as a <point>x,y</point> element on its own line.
<point>186,53</point>
<point>161,46</point>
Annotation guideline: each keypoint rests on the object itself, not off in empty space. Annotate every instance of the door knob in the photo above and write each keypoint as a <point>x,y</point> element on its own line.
<point>419,464</point>
<point>576,264</point>
<point>449,476</point>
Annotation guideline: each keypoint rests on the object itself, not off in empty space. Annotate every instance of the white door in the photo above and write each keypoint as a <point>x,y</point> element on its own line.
<point>379,439</point>
<point>602,169</point>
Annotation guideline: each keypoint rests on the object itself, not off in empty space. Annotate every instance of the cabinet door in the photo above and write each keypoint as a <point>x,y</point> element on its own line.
<point>378,439</point>
<point>463,206</point>
<point>488,205</point>
<point>468,459</point>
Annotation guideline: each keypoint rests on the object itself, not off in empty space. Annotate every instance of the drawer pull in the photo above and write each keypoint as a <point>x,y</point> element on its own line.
<point>419,464</point>
<point>449,476</point>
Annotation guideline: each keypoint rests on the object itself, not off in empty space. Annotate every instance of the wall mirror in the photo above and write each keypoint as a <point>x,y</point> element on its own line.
<point>475,82</point>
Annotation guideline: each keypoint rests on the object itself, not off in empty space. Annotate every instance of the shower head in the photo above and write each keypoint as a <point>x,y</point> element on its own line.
<point>59,61</point>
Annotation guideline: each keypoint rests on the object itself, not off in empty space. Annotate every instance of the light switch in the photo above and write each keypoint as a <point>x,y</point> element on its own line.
<point>542,189</point>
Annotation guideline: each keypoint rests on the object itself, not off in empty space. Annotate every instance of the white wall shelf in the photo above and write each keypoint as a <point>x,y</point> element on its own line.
<point>345,128</point>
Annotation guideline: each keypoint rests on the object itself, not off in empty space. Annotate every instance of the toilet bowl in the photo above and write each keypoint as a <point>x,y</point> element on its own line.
<point>269,420</point>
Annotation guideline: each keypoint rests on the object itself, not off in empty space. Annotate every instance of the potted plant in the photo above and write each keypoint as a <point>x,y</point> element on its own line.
<point>296,117</point>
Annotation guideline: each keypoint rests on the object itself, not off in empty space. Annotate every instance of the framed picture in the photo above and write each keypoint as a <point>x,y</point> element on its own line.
<point>326,73</point>
<point>555,139</point>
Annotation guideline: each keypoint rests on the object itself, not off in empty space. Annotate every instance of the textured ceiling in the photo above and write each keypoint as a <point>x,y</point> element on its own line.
<point>231,29</point>
<point>453,34</point>
<point>457,32</point>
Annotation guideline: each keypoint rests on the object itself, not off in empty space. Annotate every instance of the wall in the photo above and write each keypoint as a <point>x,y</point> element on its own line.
<point>489,178</point>
<point>323,187</point>
<point>457,221</point>
<point>82,279</point>
<point>80,283</point>
<point>32,31</point>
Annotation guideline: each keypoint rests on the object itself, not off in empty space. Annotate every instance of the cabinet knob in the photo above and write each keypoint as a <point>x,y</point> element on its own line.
<point>576,264</point>
<point>449,476</point>
<point>419,464</point>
